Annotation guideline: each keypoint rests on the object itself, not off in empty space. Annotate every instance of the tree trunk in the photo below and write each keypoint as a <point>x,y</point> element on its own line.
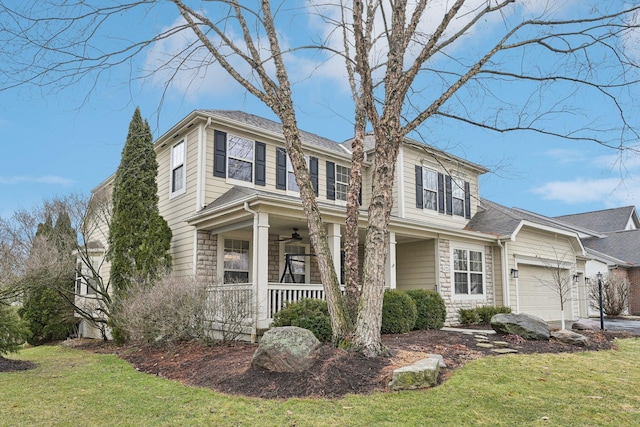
<point>367,329</point>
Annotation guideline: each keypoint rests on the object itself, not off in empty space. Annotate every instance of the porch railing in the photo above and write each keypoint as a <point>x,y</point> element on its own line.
<point>281,293</point>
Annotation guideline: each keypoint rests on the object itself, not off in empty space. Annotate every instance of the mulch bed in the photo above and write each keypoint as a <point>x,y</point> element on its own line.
<point>10,365</point>
<point>227,368</point>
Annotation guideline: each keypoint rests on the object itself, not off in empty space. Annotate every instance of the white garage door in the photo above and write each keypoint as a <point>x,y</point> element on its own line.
<point>536,298</point>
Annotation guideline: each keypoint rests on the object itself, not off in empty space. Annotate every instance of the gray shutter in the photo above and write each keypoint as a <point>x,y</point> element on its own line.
<point>313,171</point>
<point>467,200</point>
<point>220,154</point>
<point>281,169</point>
<point>331,181</point>
<point>261,163</point>
<point>419,188</point>
<point>449,195</point>
<point>440,193</point>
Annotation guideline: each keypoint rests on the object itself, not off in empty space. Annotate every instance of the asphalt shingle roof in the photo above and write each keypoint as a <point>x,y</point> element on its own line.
<point>624,245</point>
<point>604,221</point>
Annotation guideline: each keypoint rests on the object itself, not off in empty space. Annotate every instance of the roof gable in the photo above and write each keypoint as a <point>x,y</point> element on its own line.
<point>616,219</point>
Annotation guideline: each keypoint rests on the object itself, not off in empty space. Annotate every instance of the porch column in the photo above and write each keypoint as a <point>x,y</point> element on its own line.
<point>333,235</point>
<point>390,270</point>
<point>261,267</point>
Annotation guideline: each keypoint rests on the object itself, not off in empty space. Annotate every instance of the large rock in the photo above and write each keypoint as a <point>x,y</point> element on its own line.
<point>570,337</point>
<point>585,325</point>
<point>527,326</point>
<point>286,349</point>
<point>423,373</point>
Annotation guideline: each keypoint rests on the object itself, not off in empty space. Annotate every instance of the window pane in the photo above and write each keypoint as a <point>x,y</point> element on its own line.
<point>178,154</point>
<point>430,200</point>
<point>476,283</point>
<point>240,170</point>
<point>291,182</point>
<point>475,261</point>
<point>461,283</point>
<point>458,207</point>
<point>236,277</point>
<point>457,188</point>
<point>178,179</point>
<point>460,260</point>
<point>430,179</point>
<point>240,147</point>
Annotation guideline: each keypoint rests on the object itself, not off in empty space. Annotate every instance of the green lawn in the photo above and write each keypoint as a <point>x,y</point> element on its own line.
<point>73,387</point>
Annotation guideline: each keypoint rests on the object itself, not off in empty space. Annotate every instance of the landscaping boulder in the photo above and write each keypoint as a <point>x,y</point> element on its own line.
<point>525,325</point>
<point>570,337</point>
<point>423,373</point>
<point>286,349</point>
<point>585,325</point>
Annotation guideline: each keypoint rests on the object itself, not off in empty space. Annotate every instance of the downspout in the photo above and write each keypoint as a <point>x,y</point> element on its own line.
<point>505,274</point>
<point>254,271</point>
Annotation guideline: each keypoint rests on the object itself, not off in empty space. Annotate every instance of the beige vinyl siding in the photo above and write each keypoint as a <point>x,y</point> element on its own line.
<point>416,265</point>
<point>176,209</point>
<point>413,157</point>
<point>498,279</point>
<point>541,244</point>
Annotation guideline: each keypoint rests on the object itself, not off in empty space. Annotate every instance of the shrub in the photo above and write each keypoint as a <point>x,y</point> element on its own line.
<point>311,314</point>
<point>399,312</point>
<point>48,316</point>
<point>615,294</point>
<point>468,316</point>
<point>13,330</point>
<point>430,307</point>
<point>487,312</point>
<point>171,310</point>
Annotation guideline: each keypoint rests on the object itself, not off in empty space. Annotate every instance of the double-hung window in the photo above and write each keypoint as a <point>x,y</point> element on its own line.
<point>236,261</point>
<point>458,196</point>
<point>342,182</point>
<point>240,158</point>
<point>177,169</point>
<point>430,189</point>
<point>292,185</point>
<point>468,272</point>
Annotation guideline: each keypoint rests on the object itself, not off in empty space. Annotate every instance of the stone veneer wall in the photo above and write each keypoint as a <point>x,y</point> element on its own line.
<point>446,282</point>
<point>274,258</point>
<point>207,255</point>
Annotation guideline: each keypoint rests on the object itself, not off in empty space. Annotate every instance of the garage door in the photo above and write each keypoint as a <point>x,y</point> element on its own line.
<point>536,298</point>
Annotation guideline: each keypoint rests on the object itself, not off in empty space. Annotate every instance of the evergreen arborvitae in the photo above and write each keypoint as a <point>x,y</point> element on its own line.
<point>45,310</point>
<point>139,237</point>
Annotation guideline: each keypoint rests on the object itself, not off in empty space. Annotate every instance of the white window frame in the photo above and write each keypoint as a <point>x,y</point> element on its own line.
<point>291,176</point>
<point>307,259</point>
<point>231,138</point>
<point>178,161</point>
<point>221,257</point>
<point>426,189</point>
<point>468,271</point>
<point>338,183</point>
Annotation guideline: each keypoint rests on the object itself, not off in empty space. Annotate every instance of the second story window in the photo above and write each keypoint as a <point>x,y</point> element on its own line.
<point>285,178</point>
<point>177,169</point>
<point>342,182</point>
<point>240,158</point>
<point>337,181</point>
<point>458,196</point>
<point>430,189</point>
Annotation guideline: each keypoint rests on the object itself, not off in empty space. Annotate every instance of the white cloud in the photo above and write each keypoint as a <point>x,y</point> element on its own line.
<point>565,156</point>
<point>610,191</point>
<point>45,179</point>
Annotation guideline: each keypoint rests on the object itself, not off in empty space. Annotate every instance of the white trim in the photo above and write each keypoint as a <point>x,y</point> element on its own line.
<point>235,181</point>
<point>453,245</point>
<point>401,190</point>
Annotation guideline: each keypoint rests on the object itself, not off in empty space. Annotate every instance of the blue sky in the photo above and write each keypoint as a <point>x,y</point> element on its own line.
<point>57,142</point>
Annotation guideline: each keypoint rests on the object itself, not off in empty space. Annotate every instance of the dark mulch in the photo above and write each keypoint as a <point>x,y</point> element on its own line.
<point>10,365</point>
<point>227,368</point>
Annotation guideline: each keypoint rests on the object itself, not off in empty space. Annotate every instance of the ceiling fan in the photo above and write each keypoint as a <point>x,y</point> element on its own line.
<point>294,236</point>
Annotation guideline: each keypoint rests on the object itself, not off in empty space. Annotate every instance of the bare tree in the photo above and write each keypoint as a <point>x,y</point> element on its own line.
<point>408,64</point>
<point>560,278</point>
<point>37,261</point>
<point>615,294</point>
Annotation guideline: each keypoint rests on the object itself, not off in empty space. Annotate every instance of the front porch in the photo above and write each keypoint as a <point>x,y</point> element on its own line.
<point>243,250</point>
